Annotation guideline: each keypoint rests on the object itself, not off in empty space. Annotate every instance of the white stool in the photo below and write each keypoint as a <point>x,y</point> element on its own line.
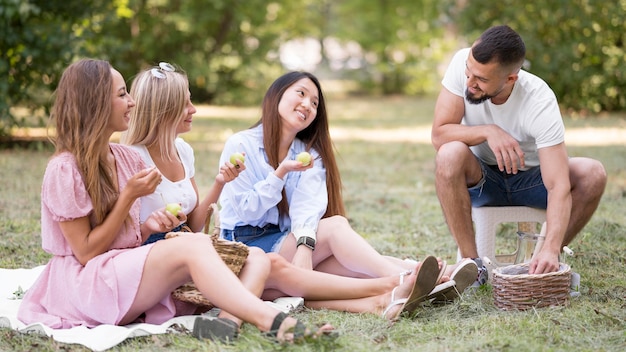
<point>486,219</point>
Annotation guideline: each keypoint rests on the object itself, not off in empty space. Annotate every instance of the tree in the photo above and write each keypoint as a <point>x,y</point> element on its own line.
<point>227,48</point>
<point>38,39</point>
<point>577,46</point>
<point>403,41</point>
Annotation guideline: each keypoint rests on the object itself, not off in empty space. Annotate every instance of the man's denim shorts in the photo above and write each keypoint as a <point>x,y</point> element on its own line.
<point>497,188</point>
<point>269,237</point>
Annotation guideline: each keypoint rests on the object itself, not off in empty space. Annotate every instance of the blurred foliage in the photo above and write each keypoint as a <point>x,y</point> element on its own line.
<point>403,40</point>
<point>38,39</point>
<point>577,46</point>
<point>232,49</point>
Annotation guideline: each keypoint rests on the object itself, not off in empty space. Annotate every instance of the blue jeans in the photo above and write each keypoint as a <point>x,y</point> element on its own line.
<point>161,235</point>
<point>497,188</point>
<point>269,237</point>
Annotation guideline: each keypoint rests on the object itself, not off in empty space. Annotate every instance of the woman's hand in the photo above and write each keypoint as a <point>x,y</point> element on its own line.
<point>289,165</point>
<point>163,221</point>
<point>303,258</point>
<point>229,172</point>
<point>143,183</point>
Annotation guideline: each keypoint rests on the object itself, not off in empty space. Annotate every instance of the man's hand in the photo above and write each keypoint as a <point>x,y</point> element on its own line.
<point>544,262</point>
<point>508,153</point>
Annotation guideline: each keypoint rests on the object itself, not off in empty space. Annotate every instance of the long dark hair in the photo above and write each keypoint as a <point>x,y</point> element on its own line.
<point>316,136</point>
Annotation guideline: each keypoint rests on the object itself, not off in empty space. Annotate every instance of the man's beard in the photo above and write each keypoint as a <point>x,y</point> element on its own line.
<point>480,100</point>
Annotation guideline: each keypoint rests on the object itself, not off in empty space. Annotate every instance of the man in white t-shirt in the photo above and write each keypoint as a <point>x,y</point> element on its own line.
<point>499,138</point>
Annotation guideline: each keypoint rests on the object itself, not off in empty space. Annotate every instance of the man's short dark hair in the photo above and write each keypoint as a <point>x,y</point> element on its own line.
<point>502,44</point>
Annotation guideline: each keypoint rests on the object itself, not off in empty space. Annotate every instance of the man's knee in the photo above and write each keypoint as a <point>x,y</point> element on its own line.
<point>588,173</point>
<point>453,157</point>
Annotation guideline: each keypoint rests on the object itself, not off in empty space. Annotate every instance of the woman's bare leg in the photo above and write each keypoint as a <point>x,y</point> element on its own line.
<point>253,275</point>
<point>335,237</point>
<point>375,304</point>
<point>175,261</point>
<point>332,265</point>
<point>314,285</point>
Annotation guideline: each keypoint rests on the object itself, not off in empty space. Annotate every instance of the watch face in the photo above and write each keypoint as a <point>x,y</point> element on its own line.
<point>307,241</point>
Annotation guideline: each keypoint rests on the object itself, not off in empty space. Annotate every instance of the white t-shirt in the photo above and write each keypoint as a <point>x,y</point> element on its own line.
<point>531,114</point>
<point>173,192</point>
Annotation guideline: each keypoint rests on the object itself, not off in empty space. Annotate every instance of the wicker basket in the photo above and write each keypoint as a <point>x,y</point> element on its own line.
<point>515,289</point>
<point>234,254</point>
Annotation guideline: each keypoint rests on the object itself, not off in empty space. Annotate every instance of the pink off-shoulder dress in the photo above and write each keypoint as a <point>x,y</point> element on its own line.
<point>68,294</point>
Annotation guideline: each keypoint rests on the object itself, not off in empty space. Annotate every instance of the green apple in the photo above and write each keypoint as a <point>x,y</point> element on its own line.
<point>237,158</point>
<point>304,158</point>
<point>173,208</point>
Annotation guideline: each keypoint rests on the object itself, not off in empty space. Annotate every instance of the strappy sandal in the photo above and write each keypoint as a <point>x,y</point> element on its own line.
<point>215,329</point>
<point>442,271</point>
<point>403,275</point>
<point>425,281</point>
<point>299,330</point>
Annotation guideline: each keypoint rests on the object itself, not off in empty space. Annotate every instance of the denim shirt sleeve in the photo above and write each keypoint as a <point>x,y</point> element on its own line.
<point>308,198</point>
<point>251,198</point>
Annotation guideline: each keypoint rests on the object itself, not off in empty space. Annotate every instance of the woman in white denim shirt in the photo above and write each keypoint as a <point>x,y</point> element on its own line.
<point>283,206</point>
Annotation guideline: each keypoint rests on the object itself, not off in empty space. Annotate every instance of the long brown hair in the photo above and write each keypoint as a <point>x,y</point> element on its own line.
<point>81,112</point>
<point>316,136</point>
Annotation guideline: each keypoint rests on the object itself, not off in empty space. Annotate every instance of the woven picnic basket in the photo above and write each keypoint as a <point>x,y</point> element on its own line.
<point>234,254</point>
<point>515,289</point>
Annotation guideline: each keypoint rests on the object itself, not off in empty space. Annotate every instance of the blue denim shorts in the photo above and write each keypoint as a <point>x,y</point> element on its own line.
<point>161,235</point>
<point>269,237</point>
<point>497,188</point>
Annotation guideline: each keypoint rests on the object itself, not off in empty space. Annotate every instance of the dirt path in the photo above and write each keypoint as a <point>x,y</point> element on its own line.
<point>573,136</point>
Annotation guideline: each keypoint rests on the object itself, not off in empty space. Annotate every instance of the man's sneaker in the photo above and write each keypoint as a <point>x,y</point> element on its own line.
<point>483,274</point>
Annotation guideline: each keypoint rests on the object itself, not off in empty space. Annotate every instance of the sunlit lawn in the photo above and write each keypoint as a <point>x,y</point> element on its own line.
<point>386,161</point>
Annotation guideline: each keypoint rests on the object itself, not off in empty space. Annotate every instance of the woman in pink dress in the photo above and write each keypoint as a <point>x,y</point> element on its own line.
<point>99,272</point>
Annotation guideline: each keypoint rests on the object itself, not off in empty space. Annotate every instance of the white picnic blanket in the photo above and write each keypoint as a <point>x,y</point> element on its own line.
<point>99,338</point>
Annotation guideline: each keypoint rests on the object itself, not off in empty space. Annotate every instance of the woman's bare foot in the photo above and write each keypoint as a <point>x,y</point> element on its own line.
<point>391,304</point>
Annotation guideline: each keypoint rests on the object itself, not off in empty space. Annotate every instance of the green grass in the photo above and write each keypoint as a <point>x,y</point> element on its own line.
<point>387,165</point>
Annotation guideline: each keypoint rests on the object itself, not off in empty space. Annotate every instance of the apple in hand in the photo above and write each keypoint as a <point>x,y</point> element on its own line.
<point>173,208</point>
<point>237,158</point>
<point>304,158</point>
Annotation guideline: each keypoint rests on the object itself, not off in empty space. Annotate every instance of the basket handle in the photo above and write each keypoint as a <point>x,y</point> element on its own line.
<point>213,210</point>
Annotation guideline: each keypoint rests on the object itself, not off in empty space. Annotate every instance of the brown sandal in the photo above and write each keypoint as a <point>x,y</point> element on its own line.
<point>299,330</point>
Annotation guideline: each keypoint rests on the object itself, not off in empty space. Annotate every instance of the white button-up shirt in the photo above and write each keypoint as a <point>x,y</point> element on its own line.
<point>252,197</point>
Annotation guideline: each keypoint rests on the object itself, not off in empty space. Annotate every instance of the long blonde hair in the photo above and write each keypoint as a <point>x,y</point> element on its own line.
<point>160,106</point>
<point>81,112</point>
<point>316,136</point>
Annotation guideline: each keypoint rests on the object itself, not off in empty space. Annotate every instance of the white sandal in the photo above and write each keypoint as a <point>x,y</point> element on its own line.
<point>463,276</point>
<point>424,283</point>
<point>394,302</point>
